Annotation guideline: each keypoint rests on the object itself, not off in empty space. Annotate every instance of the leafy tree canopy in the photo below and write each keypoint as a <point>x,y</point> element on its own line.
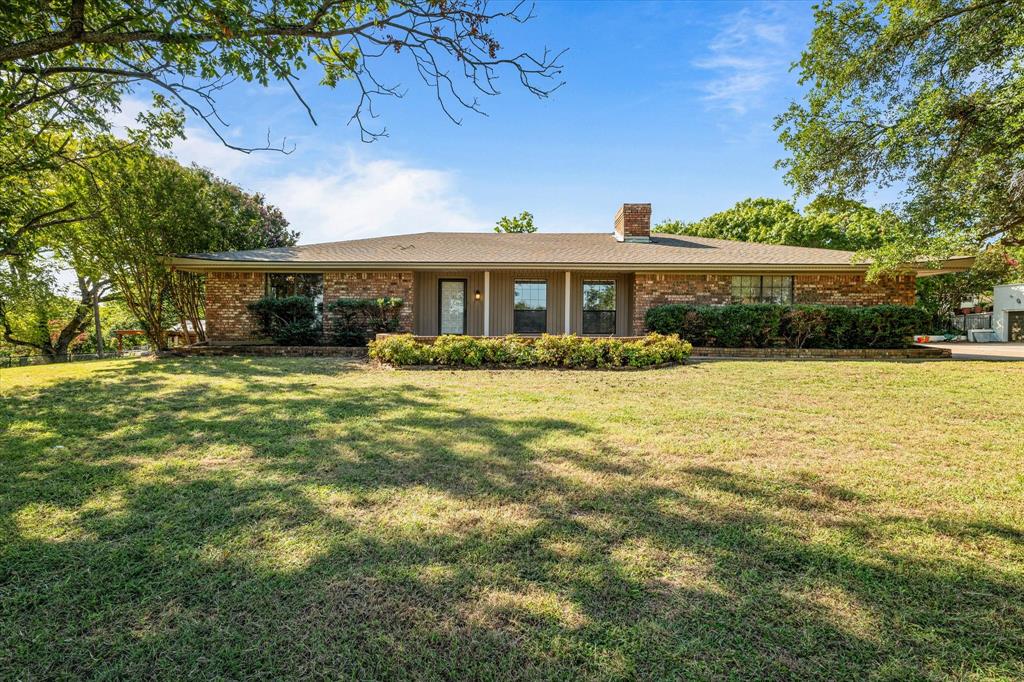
<point>922,96</point>
<point>521,223</point>
<point>92,53</point>
<point>143,208</point>
<point>845,225</point>
<point>67,65</point>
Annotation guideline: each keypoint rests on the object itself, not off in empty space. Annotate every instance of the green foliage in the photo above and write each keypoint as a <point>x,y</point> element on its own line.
<point>942,295</point>
<point>522,223</point>
<point>547,350</point>
<point>848,226</point>
<point>460,351</point>
<point>357,320</point>
<point>144,208</point>
<point>96,53</point>
<point>289,321</point>
<point>66,69</point>
<point>790,326</point>
<point>924,97</point>
<point>399,350</point>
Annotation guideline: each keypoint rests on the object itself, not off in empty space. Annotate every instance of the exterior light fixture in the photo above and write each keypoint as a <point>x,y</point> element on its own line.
<point>476,295</point>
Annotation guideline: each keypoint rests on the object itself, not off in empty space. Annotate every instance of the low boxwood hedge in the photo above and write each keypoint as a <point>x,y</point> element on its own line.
<point>290,321</point>
<point>790,326</point>
<point>547,350</point>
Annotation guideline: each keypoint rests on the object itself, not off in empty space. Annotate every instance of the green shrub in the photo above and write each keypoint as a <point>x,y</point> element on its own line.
<point>400,349</point>
<point>289,321</point>
<point>452,349</point>
<point>547,350</point>
<point>357,320</point>
<point>790,326</point>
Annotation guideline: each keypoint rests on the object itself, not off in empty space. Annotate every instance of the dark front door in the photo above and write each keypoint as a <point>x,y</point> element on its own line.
<point>1015,324</point>
<point>451,306</point>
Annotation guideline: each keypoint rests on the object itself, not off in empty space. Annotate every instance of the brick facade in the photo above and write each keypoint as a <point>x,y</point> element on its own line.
<point>228,295</point>
<point>854,290</point>
<point>651,290</point>
<point>850,289</point>
<point>633,223</point>
<point>346,284</point>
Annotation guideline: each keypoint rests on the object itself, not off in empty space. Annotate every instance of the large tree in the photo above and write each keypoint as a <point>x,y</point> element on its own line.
<point>845,225</point>
<point>925,98</point>
<point>35,315</point>
<point>144,208</point>
<point>66,66</point>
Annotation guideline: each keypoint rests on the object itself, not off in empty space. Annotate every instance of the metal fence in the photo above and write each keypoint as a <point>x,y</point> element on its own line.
<point>26,360</point>
<point>972,321</point>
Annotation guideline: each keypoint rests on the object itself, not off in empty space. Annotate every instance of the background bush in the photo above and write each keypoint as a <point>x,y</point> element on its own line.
<point>357,320</point>
<point>546,350</point>
<point>790,326</point>
<point>289,321</point>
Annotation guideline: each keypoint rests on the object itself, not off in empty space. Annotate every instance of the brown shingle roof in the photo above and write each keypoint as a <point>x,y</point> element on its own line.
<point>544,249</point>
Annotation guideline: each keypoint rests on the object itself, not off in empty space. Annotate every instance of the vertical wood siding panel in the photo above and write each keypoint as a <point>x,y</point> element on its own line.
<point>501,302</point>
<point>502,299</point>
<point>425,320</point>
<point>427,300</point>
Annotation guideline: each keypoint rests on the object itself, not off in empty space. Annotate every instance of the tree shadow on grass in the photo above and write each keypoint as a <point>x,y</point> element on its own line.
<point>297,529</point>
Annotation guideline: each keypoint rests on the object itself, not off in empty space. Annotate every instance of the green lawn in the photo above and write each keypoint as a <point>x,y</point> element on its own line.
<point>251,518</point>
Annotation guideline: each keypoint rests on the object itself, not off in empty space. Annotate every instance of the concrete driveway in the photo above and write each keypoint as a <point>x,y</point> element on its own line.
<point>983,351</point>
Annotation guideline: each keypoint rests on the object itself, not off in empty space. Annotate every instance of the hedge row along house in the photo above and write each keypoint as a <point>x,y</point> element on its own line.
<point>491,284</point>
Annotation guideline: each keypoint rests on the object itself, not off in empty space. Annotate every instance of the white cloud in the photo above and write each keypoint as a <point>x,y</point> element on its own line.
<point>352,198</point>
<point>365,198</point>
<point>748,56</point>
<point>202,147</point>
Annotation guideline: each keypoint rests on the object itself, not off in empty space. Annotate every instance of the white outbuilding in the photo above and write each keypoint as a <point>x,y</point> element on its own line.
<point>1008,312</point>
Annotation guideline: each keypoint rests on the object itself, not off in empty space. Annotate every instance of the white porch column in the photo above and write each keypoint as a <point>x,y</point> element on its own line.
<point>487,302</point>
<point>568,301</point>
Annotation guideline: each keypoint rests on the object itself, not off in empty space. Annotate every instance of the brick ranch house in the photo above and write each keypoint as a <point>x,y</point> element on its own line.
<point>493,284</point>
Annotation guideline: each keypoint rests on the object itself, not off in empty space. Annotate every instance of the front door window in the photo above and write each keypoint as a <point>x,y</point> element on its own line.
<point>452,304</point>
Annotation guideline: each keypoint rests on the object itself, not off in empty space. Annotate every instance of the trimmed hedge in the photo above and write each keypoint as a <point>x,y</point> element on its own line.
<point>359,319</point>
<point>790,326</point>
<point>289,321</point>
<point>547,350</point>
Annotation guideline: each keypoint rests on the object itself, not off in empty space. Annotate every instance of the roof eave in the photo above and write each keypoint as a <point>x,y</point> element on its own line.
<point>947,266</point>
<point>204,265</point>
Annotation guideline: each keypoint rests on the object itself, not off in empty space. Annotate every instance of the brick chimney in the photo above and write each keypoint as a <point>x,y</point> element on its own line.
<point>633,223</point>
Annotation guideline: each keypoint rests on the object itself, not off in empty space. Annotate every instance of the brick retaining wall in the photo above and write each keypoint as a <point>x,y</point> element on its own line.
<point>917,352</point>
<point>267,351</point>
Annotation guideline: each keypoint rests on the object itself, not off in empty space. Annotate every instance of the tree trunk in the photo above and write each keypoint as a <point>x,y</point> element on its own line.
<point>187,294</point>
<point>99,328</point>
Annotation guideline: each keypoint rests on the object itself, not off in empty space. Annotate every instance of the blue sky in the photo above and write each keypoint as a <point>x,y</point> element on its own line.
<point>669,103</point>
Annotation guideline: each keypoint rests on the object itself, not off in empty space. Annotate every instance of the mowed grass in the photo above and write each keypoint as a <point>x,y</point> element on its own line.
<point>301,518</point>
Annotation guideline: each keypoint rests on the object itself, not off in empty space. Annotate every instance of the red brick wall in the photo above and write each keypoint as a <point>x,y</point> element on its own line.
<point>228,294</point>
<point>633,222</point>
<point>830,289</point>
<point>854,290</point>
<point>658,289</point>
<point>370,285</point>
